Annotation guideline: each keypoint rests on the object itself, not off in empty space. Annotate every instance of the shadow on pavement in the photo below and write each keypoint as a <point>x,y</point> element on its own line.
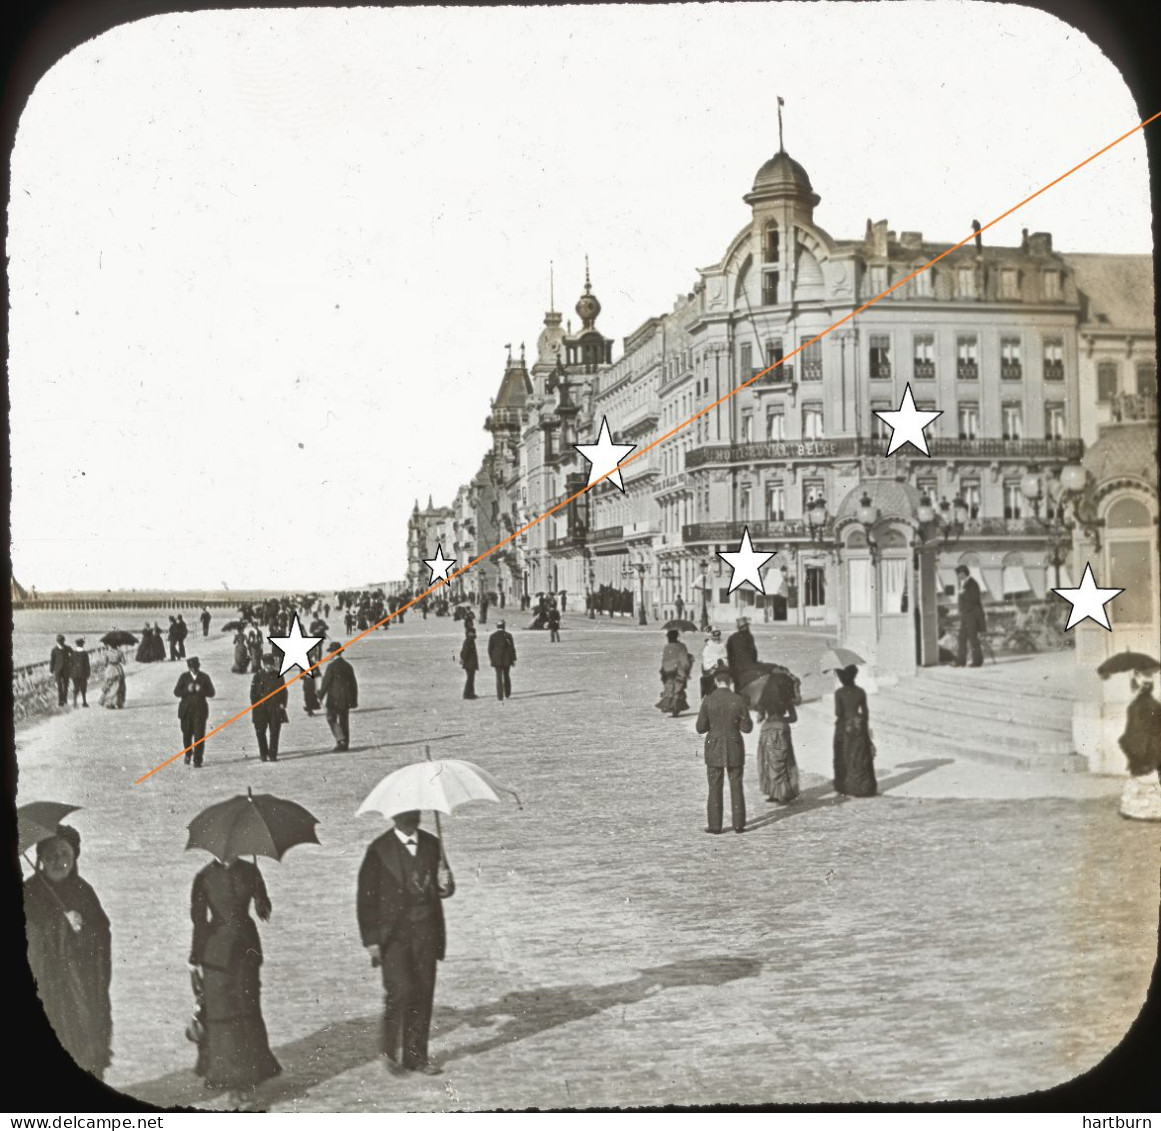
<point>344,1045</point>
<point>540,694</point>
<point>421,741</point>
<point>824,797</point>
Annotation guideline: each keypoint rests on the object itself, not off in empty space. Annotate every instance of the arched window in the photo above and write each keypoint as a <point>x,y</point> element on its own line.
<point>1131,556</point>
<point>1128,512</point>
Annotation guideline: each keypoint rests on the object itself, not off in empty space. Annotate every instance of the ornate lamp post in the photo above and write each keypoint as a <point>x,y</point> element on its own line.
<point>816,519</point>
<point>638,568</point>
<point>945,522</point>
<point>1067,507</point>
<point>704,625</point>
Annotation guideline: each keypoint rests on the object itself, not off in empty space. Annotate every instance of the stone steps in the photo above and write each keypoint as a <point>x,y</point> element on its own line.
<point>1021,711</point>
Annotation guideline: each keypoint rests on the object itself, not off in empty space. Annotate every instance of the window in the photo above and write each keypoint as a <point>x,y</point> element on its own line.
<point>812,422</point>
<point>924,355</point>
<point>967,357</point>
<point>965,282</point>
<point>769,288</point>
<point>811,358</point>
<point>744,502</point>
<point>923,285</point>
<point>893,585</point>
<point>969,420</point>
<point>814,587</point>
<point>880,357</point>
<point>1054,420</point>
<point>774,356</point>
<point>1013,499</point>
<point>772,243</point>
<point>880,429</point>
<point>776,503</point>
<point>1012,414</point>
<point>878,280</point>
<point>812,489</point>
<point>1106,381</point>
<point>1009,283</point>
<point>1147,377</point>
<point>929,406</point>
<point>747,427</point>
<point>775,425</point>
<point>860,589</point>
<point>1053,359</point>
<point>746,360</point>
<point>1011,367</point>
<point>1051,285</point>
<point>969,491</point>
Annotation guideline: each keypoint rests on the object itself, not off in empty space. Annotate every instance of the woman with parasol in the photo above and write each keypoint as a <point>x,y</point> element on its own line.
<point>69,946</point>
<point>1141,742</point>
<point>226,953</point>
<point>113,688</point>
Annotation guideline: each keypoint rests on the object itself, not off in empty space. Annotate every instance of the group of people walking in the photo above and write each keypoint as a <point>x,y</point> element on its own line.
<point>501,656</point>
<point>734,683</point>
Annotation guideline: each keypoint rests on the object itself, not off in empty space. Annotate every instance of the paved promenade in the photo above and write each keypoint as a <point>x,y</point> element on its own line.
<point>974,932</point>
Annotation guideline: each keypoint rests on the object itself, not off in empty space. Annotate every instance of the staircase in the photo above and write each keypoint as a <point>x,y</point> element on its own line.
<point>1016,713</point>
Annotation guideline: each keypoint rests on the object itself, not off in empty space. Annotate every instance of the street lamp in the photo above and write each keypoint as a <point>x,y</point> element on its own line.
<point>945,521</point>
<point>867,515</point>
<point>639,569</point>
<point>816,519</point>
<point>1068,507</point>
<point>705,621</point>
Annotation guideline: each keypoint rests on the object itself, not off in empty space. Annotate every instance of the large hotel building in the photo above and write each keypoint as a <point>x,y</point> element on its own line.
<point>1028,351</point>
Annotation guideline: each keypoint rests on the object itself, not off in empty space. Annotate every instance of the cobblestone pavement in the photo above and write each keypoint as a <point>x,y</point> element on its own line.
<point>972,932</point>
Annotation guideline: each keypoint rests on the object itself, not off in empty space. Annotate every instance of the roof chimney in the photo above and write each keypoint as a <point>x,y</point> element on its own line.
<point>979,238</point>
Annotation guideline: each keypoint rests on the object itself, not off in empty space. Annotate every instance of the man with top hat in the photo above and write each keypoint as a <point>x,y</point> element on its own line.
<point>502,656</point>
<point>340,692</point>
<point>60,663</point>
<point>268,715</point>
<point>80,668</point>
<point>402,881</point>
<point>470,662</point>
<point>194,690</point>
<point>741,652</point>
<point>723,719</point>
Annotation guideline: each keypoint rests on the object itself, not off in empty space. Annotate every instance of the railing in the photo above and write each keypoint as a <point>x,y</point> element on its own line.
<point>783,375</point>
<point>607,534</point>
<point>967,371</point>
<point>81,604</point>
<point>732,531</point>
<point>1011,371</point>
<point>568,542</point>
<point>1134,406</point>
<point>1054,371</point>
<point>988,527</point>
<point>881,372</point>
<point>34,690</point>
<point>1013,449</point>
<point>924,371</point>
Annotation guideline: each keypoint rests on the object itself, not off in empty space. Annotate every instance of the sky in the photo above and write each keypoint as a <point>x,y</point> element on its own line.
<point>264,264</point>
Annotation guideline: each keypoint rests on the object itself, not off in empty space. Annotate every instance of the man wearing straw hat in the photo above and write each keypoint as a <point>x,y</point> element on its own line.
<point>402,927</point>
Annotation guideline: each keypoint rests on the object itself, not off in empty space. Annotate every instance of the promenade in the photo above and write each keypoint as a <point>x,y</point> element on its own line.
<point>975,931</point>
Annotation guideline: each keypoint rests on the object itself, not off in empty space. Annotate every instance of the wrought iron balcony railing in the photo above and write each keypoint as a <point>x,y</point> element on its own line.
<point>1134,406</point>
<point>760,529</point>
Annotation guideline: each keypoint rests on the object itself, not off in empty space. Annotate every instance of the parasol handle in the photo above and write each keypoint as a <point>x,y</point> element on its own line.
<point>439,831</point>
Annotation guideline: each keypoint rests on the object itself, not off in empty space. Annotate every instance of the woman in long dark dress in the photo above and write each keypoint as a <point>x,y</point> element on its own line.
<point>676,663</point>
<point>70,952</point>
<point>235,1052</point>
<point>145,648</point>
<point>777,769</point>
<point>241,653</point>
<point>854,769</point>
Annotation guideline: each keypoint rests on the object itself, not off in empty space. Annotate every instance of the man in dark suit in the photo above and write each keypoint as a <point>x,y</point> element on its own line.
<point>502,656</point>
<point>340,691</point>
<point>60,663</point>
<point>172,636</point>
<point>182,633</point>
<point>194,690</point>
<point>206,618</point>
<point>470,662</point>
<point>269,716</point>
<point>971,618</point>
<point>723,719</point>
<point>741,652</point>
<point>402,927</point>
<point>79,671</point>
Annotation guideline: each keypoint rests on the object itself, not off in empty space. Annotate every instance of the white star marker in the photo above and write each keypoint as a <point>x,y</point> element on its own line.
<point>1088,601</point>
<point>439,565</point>
<point>604,456</point>
<point>294,647</point>
<point>907,424</point>
<point>746,563</point>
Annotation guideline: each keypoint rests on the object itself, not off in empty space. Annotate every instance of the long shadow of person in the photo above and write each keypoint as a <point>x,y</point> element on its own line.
<point>345,1045</point>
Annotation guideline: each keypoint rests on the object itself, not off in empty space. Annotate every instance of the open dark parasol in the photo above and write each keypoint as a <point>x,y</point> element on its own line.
<point>759,676</point>
<point>118,638</point>
<point>232,626</point>
<point>254,825</point>
<point>681,625</point>
<point>1128,662</point>
<point>38,820</point>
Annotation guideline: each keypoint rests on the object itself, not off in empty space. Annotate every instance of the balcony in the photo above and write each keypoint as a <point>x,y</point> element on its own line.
<point>1012,449</point>
<point>1126,407</point>
<point>782,377</point>
<point>1053,370</point>
<point>1011,371</point>
<point>568,542</point>
<point>1001,527</point>
<point>924,370</point>
<point>732,531</point>
<point>967,371</point>
<point>881,371</point>
<point>812,370</point>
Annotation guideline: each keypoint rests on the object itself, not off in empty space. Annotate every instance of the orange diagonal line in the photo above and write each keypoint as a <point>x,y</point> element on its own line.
<point>661,439</point>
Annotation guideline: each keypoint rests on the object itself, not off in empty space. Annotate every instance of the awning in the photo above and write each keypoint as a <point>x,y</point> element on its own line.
<point>977,576</point>
<point>1015,580</point>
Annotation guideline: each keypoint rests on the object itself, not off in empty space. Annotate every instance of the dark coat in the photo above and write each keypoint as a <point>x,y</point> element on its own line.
<point>469,659</point>
<point>971,606</point>
<point>741,652</point>
<point>382,901</point>
<point>339,687</point>
<point>60,659</point>
<point>1141,741</point>
<point>261,685</point>
<point>223,932</point>
<point>501,649</point>
<point>80,667</point>
<point>723,719</point>
<point>194,691</point>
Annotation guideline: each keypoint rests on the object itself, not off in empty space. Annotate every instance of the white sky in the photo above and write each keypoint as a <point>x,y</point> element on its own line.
<point>264,264</point>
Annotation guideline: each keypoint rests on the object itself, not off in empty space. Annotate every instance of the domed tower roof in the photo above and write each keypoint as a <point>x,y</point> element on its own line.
<point>588,308</point>
<point>780,178</point>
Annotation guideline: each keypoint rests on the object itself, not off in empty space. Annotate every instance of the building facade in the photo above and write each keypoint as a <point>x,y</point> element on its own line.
<point>1026,351</point>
